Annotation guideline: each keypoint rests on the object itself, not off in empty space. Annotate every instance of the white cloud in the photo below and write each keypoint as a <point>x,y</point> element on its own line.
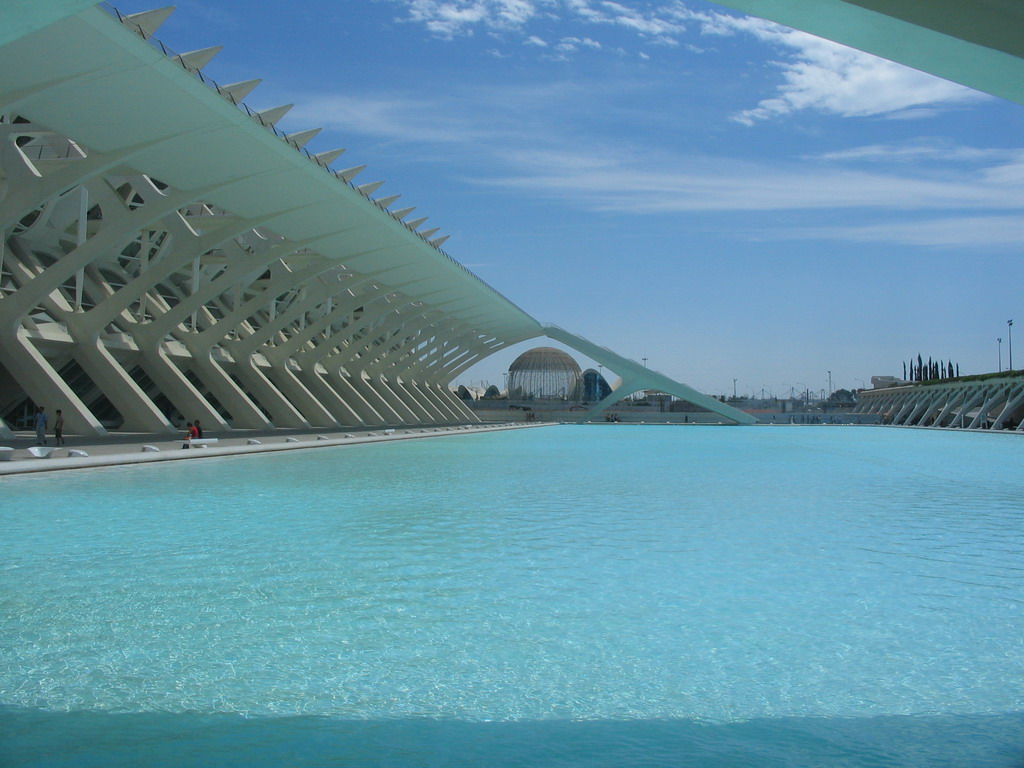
<point>574,43</point>
<point>605,182</point>
<point>817,75</point>
<point>450,18</point>
<point>475,119</point>
<point>949,232</point>
<point>393,118</point>
<point>644,23</point>
<point>831,78</point>
<point>511,135</point>
<point>534,40</point>
<point>1009,174</point>
<point>921,150</point>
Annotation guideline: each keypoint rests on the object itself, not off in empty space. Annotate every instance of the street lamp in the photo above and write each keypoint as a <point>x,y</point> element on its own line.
<point>734,389</point>
<point>1009,342</point>
<point>645,361</point>
<point>830,383</point>
<point>1000,355</point>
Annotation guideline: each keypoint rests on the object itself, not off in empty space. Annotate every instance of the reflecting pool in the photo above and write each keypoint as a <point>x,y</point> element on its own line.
<point>575,596</point>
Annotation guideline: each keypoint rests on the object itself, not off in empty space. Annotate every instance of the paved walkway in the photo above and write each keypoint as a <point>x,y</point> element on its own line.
<point>137,447</point>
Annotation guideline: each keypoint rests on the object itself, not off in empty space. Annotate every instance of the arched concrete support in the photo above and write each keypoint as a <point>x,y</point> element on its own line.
<point>907,407</point>
<point>37,377</point>
<point>973,403</point>
<point>137,410</point>
<point>140,414</point>
<point>460,410</point>
<point>636,378</point>
<point>448,405</point>
<point>434,410</point>
<point>918,407</point>
<point>409,412</point>
<point>281,410</point>
<point>955,398</point>
<point>394,394</point>
<point>372,407</point>
<point>300,397</point>
<point>114,233</point>
<point>341,410</point>
<point>179,390</point>
<point>992,397</point>
<point>395,367</point>
<point>1014,400</point>
<point>364,412</point>
<point>245,414</point>
<point>973,398</point>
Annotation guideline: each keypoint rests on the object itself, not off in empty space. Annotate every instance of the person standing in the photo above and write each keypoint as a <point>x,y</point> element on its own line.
<point>40,424</point>
<point>58,428</point>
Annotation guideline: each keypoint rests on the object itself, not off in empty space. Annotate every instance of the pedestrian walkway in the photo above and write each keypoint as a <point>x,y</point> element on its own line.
<point>138,448</point>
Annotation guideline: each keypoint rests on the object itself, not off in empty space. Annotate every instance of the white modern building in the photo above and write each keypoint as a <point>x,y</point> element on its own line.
<point>168,253</point>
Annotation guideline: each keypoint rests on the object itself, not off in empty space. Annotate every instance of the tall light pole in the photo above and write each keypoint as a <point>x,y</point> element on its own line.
<point>1009,342</point>
<point>830,383</point>
<point>1000,341</point>
<point>734,389</point>
<point>645,361</point>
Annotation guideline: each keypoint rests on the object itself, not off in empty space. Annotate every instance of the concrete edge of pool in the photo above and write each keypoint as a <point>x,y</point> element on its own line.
<point>139,448</point>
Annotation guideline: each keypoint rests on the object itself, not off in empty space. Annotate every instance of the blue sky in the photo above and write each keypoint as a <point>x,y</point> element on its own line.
<point>723,196</point>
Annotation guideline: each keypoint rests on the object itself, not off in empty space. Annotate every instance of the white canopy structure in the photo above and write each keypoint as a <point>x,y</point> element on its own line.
<point>978,43</point>
<point>168,253</point>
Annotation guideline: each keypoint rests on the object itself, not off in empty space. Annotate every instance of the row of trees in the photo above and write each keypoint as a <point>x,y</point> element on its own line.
<point>920,370</point>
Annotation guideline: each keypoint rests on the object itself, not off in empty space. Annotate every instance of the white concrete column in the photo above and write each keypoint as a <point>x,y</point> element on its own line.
<point>1015,397</point>
<point>956,395</point>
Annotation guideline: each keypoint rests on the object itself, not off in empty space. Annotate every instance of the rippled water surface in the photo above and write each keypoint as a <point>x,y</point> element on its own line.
<point>571,596</point>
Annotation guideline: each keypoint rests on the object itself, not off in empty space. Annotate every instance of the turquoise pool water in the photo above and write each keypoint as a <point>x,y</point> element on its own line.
<point>568,596</point>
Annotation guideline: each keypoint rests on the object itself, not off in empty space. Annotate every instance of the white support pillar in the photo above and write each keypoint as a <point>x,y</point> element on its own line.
<point>37,377</point>
<point>1014,399</point>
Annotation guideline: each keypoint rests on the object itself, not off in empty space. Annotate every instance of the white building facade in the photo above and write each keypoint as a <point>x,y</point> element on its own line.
<point>167,253</point>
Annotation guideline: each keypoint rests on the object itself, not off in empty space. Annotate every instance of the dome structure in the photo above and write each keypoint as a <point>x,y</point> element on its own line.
<point>544,373</point>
